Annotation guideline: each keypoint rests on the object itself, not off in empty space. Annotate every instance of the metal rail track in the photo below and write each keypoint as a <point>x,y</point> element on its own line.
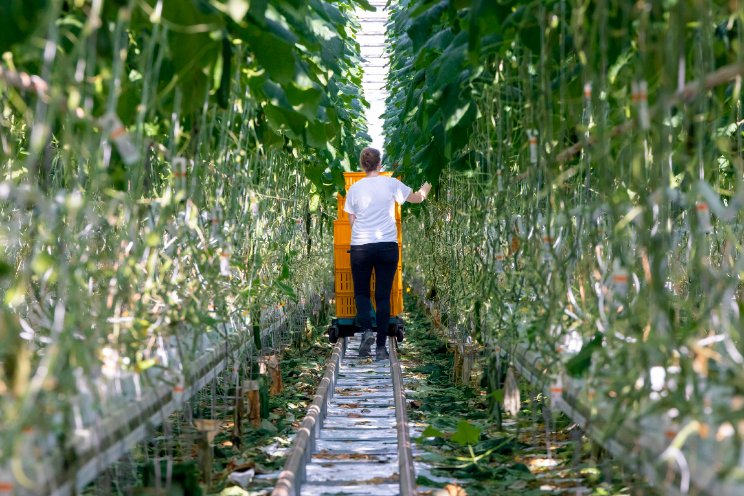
<point>355,438</point>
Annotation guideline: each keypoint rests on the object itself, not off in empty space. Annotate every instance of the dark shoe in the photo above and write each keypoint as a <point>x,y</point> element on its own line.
<point>381,353</point>
<point>365,348</point>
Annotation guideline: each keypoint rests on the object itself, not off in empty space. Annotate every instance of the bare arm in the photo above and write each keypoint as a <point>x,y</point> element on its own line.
<point>416,197</point>
<point>420,195</point>
<point>352,218</point>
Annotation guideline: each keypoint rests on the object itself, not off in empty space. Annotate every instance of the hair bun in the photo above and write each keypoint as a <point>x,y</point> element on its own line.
<point>369,159</point>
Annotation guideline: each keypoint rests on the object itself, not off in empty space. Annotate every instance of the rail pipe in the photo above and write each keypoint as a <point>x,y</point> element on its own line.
<point>405,459</point>
<point>113,436</point>
<point>627,444</point>
<point>292,475</point>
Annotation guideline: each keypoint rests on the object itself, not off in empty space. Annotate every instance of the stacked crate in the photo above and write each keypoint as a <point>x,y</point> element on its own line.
<point>345,305</point>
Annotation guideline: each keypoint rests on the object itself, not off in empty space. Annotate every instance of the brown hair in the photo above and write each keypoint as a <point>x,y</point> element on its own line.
<point>369,159</point>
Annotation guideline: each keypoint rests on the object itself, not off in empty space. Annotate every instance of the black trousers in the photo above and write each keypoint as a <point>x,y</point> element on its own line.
<point>383,259</point>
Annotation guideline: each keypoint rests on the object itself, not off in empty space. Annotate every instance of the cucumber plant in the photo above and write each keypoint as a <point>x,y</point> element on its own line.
<point>165,173</point>
<point>589,208</point>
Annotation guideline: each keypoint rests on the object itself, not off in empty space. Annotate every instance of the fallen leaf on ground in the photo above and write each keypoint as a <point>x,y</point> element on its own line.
<point>455,490</point>
<point>383,480</point>
<point>327,455</point>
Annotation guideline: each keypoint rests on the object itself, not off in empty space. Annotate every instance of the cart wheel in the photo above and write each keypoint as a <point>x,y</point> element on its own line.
<point>333,334</point>
<point>400,333</point>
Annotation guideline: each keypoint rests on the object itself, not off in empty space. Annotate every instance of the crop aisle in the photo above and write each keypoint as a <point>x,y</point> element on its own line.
<point>165,177</point>
<point>167,172</point>
<point>587,224</point>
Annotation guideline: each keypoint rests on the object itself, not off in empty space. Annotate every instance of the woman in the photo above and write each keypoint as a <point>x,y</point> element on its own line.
<point>370,204</point>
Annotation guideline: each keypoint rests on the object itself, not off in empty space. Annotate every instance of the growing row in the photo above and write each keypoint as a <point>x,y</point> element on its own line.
<point>163,174</point>
<point>589,158</point>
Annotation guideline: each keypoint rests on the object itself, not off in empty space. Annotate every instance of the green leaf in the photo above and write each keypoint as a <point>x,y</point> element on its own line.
<point>439,42</point>
<point>5,269</point>
<point>579,364</point>
<point>257,338</point>
<point>316,135</point>
<point>304,97</point>
<point>286,289</point>
<point>498,395</point>
<point>485,19</point>
<point>287,120</point>
<point>424,22</point>
<point>274,50</point>
<point>257,10</point>
<point>42,262</point>
<point>18,19</point>
<point>364,4</point>
<point>16,294</point>
<point>236,9</point>
<point>314,203</point>
<point>452,60</point>
<point>143,365</point>
<point>225,76</point>
<point>457,115</point>
<point>618,65</point>
<point>152,239</point>
<point>432,431</point>
<point>193,53</point>
<point>314,172</point>
<point>267,426</point>
<point>466,433</point>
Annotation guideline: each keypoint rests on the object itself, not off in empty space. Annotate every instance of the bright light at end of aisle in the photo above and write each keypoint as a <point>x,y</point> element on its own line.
<point>372,41</point>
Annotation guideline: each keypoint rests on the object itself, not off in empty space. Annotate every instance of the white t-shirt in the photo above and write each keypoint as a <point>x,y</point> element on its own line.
<point>372,200</point>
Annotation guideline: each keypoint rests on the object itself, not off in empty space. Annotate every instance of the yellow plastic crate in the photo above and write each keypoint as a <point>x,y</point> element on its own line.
<point>396,302</point>
<point>344,282</point>
<point>341,214</point>
<point>342,257</point>
<point>352,177</point>
<point>345,305</point>
<point>341,232</point>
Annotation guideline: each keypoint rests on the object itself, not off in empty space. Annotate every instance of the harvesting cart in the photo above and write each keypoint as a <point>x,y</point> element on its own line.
<point>345,323</point>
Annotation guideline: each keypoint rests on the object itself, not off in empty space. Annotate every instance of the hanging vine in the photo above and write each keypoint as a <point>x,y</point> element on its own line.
<point>164,176</point>
<point>590,201</point>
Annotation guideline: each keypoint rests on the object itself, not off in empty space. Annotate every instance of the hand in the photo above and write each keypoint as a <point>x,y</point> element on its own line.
<point>425,189</point>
